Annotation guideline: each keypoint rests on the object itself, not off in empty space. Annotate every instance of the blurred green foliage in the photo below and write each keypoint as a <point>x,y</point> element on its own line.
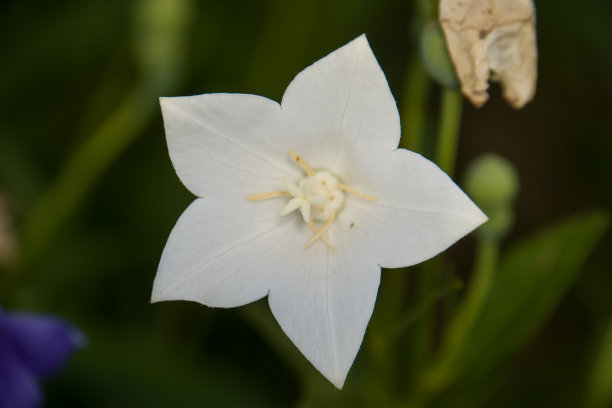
<point>532,277</point>
<point>492,182</point>
<point>435,57</point>
<point>84,165</point>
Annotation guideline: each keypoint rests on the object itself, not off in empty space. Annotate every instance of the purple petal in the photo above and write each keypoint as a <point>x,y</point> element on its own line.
<point>42,343</point>
<point>18,385</point>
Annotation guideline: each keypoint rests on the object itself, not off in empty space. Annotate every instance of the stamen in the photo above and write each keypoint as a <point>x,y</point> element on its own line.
<point>327,199</point>
<point>299,160</point>
<point>356,193</point>
<point>323,237</point>
<point>269,194</point>
<point>320,232</point>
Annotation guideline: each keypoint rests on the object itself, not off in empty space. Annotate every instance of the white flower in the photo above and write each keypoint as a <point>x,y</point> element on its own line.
<point>372,205</point>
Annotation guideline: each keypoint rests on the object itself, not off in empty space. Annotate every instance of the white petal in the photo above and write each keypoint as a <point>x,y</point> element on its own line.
<point>220,143</point>
<point>339,104</point>
<point>222,253</point>
<point>305,209</point>
<point>419,213</point>
<point>325,303</point>
<point>292,205</point>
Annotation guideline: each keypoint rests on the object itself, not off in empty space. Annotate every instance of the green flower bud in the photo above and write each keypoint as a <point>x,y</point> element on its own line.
<point>491,181</point>
<point>435,57</point>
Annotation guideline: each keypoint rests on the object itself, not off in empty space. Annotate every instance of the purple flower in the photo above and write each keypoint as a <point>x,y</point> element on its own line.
<point>32,347</point>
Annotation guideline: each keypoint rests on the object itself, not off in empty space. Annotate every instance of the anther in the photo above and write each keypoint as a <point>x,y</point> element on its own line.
<point>299,160</point>
<point>356,193</point>
<point>269,194</point>
<point>323,237</point>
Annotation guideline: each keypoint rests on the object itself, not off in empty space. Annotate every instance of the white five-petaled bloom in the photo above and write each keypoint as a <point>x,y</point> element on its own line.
<point>329,149</point>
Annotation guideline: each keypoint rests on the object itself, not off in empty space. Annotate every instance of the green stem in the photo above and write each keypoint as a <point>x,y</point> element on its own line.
<point>412,316</point>
<point>448,132</point>
<point>414,101</point>
<point>446,151</point>
<point>84,169</point>
<point>382,345</point>
<point>159,71</point>
<point>444,371</point>
<point>422,340</point>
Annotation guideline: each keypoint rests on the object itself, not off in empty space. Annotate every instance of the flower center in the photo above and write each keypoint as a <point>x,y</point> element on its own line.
<point>325,185</point>
<point>319,196</point>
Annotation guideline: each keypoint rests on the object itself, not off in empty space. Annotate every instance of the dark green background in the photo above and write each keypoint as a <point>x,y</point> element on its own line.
<point>67,65</point>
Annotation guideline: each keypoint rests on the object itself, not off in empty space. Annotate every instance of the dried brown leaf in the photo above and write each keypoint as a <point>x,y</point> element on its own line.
<point>492,40</point>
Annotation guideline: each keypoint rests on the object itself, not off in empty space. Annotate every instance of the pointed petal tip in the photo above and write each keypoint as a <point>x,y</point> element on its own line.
<point>156,293</point>
<point>338,382</point>
<point>363,39</point>
<point>484,218</point>
<point>335,378</point>
<point>360,42</point>
<point>314,322</point>
<point>476,219</point>
<point>479,217</point>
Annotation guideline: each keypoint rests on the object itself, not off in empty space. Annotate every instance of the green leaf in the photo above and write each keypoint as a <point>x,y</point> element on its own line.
<point>532,278</point>
<point>600,387</point>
